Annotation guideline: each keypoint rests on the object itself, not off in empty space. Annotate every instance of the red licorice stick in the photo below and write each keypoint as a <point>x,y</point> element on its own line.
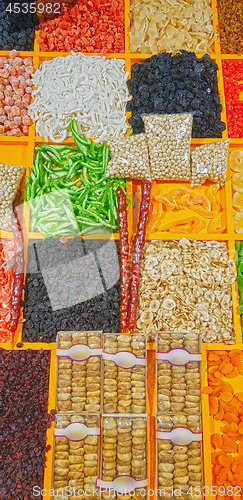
<point>124,257</point>
<point>138,253</point>
<point>18,272</point>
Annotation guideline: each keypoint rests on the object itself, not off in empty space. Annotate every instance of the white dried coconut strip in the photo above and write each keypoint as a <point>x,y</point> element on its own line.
<point>93,90</point>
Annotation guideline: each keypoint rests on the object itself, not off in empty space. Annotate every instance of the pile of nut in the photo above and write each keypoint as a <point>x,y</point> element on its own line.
<point>10,178</point>
<point>124,388</point>
<point>129,158</point>
<point>186,286</point>
<point>209,161</point>
<point>76,462</point>
<point>124,450</point>
<point>179,467</point>
<point>169,139</point>
<point>78,382</point>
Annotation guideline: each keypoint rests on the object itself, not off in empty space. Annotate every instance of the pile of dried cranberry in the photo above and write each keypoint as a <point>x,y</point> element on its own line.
<point>24,384</point>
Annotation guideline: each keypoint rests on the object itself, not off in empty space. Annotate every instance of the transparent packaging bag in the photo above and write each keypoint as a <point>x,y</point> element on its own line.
<point>129,158</point>
<point>169,139</point>
<point>209,162</point>
<point>10,178</point>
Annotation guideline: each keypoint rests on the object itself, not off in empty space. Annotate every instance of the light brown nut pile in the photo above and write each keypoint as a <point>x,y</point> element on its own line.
<point>10,178</point>
<point>76,462</point>
<point>124,442</point>
<point>161,25</point>
<point>129,158</point>
<point>124,388</point>
<point>79,382</point>
<point>186,286</point>
<point>169,139</point>
<point>179,467</point>
<point>179,387</point>
<point>209,161</point>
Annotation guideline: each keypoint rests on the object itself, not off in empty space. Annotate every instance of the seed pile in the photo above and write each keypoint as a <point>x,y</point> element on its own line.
<point>76,462</point>
<point>78,382</point>
<point>10,177</point>
<point>186,286</point>
<point>124,388</point>
<point>171,26</point>
<point>209,161</point>
<point>129,158</point>
<point>87,28</point>
<point>124,449</point>
<point>164,84</point>
<point>15,94</point>
<point>179,467</point>
<point>24,386</point>
<point>17,31</point>
<point>101,312</point>
<point>230,16</point>
<point>169,140</point>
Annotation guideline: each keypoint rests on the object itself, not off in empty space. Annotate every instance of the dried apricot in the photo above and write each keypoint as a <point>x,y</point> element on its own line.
<point>212,369</point>
<point>218,374</point>
<point>224,460</point>
<point>231,417</point>
<point>240,396</point>
<point>217,391</point>
<point>241,369</point>
<point>234,353</point>
<point>212,356</point>
<point>235,361</point>
<point>228,387</point>
<point>240,427</point>
<point>207,390</point>
<point>216,440</point>
<point>226,396</point>
<point>230,475</point>
<point>220,414</point>
<point>223,473</point>
<point>234,373</point>
<point>213,405</point>
<point>227,368</point>
<point>218,469</point>
<point>225,429</point>
<point>215,456</point>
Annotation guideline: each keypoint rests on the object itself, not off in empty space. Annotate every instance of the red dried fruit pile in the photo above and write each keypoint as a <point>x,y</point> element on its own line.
<point>6,281</point>
<point>91,26</point>
<point>233,73</point>
<point>24,383</point>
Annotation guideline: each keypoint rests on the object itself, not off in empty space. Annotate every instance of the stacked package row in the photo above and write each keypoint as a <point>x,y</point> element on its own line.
<point>98,373</point>
<point>178,422</point>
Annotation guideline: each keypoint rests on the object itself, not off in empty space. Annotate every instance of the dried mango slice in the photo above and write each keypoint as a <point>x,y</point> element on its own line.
<point>238,201</point>
<point>185,226</point>
<point>155,215</point>
<point>169,199</point>
<point>203,201</point>
<point>237,182</point>
<point>215,226</point>
<point>236,160</point>
<point>212,195</point>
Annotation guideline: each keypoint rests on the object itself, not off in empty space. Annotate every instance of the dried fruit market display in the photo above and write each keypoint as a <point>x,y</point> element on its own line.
<point>121,223</point>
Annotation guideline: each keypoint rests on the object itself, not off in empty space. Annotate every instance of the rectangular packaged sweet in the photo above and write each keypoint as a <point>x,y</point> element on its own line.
<point>78,382</point>
<point>124,384</point>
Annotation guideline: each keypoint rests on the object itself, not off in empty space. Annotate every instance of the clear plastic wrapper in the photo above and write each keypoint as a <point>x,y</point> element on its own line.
<point>129,158</point>
<point>169,139</point>
<point>10,178</point>
<point>124,453</point>
<point>166,341</point>
<point>179,466</point>
<point>78,381</point>
<point>76,455</point>
<point>124,386</point>
<point>209,162</point>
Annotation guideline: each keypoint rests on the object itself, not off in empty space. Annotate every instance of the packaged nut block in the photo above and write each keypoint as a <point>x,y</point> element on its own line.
<point>124,457</point>
<point>76,455</point>
<point>79,372</point>
<point>178,372</point>
<point>124,373</point>
<point>169,140</point>
<point>10,178</point>
<point>179,457</point>
<point>129,157</point>
<point>209,161</point>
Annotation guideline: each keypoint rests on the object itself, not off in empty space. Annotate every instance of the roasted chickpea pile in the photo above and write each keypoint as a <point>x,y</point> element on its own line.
<point>78,382</point>
<point>129,157</point>
<point>209,161</point>
<point>186,286</point>
<point>124,388</point>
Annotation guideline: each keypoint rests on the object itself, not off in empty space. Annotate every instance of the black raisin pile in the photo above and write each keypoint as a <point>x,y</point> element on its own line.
<point>24,386</point>
<point>164,84</point>
<point>71,286</point>
<point>17,29</point>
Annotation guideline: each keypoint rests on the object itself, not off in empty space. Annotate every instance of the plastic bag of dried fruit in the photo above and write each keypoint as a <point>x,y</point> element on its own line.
<point>209,162</point>
<point>10,178</point>
<point>169,140</point>
<point>129,158</point>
